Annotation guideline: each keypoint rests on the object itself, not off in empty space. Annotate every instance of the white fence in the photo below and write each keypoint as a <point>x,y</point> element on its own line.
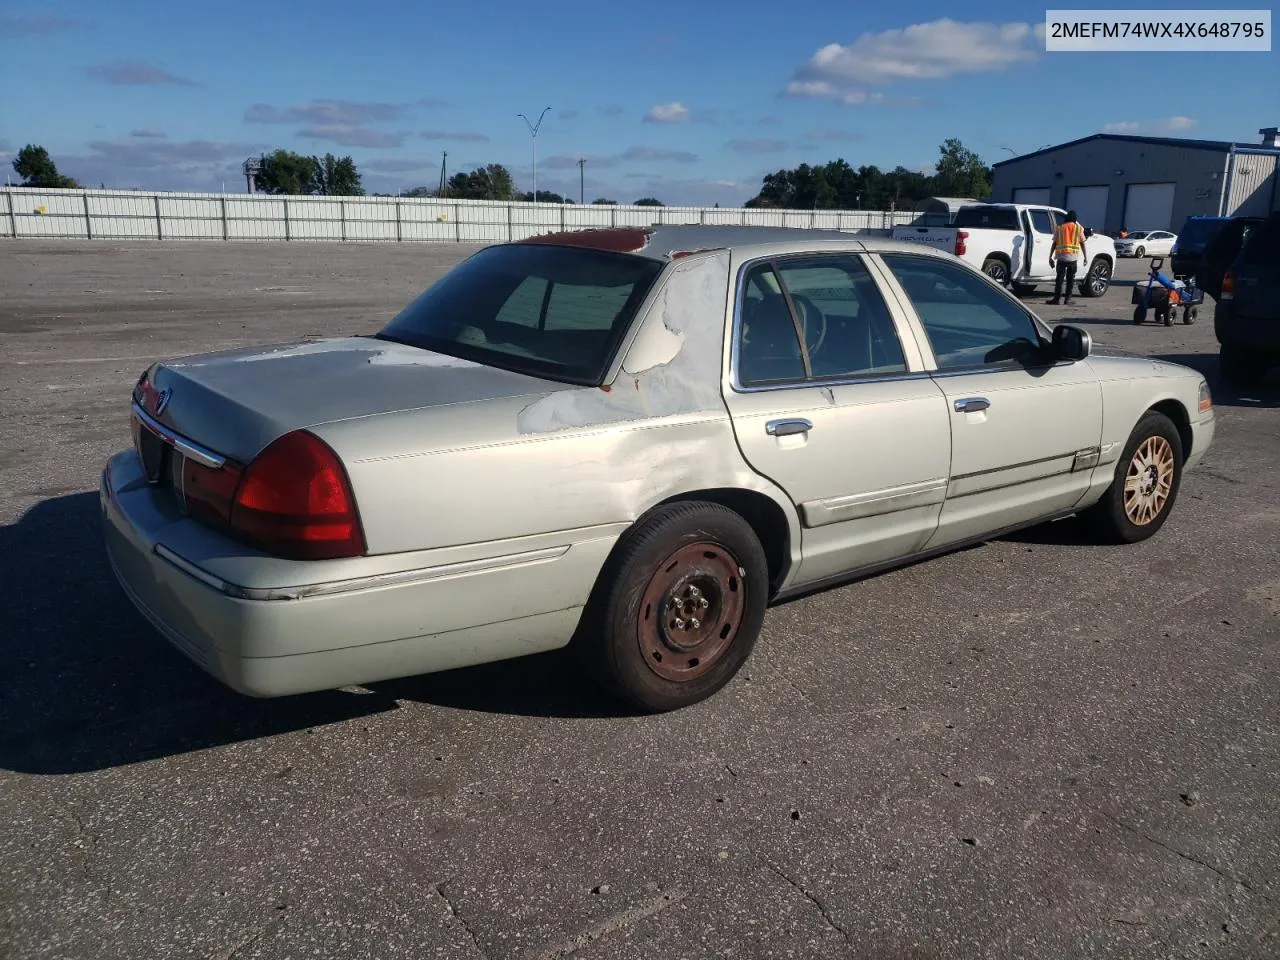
<point>129,215</point>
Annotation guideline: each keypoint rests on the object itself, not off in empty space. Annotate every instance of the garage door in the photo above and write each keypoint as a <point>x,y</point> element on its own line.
<point>1033,195</point>
<point>1090,205</point>
<point>1148,206</point>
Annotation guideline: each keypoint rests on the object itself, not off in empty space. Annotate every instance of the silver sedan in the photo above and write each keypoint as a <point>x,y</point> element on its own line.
<point>628,441</point>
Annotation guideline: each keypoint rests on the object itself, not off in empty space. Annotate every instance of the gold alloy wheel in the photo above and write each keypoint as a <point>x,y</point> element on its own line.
<point>1149,481</point>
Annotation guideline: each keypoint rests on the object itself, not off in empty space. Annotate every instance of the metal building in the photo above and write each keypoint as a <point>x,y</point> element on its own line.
<point>1116,182</point>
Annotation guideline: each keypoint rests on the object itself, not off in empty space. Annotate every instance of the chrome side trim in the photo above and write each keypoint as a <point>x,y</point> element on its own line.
<point>196,452</point>
<point>859,506</point>
<point>332,587</point>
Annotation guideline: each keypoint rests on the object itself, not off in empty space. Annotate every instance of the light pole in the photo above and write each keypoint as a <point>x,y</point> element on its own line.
<point>582,182</point>
<point>533,132</point>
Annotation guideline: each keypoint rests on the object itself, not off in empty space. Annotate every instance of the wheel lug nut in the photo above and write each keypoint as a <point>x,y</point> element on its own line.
<point>703,603</point>
<point>678,623</point>
<point>695,623</point>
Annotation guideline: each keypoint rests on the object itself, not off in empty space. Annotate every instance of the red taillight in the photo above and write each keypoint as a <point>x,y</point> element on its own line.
<point>961,237</point>
<point>295,501</point>
<point>1228,291</point>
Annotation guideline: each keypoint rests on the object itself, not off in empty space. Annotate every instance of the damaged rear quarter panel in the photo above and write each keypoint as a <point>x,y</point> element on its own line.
<point>572,458</point>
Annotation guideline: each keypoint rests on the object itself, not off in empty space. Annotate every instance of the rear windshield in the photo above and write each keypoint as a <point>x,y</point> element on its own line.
<point>995,218</point>
<point>556,312</point>
<point>1197,233</point>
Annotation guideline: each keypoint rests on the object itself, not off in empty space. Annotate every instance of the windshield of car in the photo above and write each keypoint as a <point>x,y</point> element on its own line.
<point>994,218</point>
<point>1137,235</point>
<point>557,312</point>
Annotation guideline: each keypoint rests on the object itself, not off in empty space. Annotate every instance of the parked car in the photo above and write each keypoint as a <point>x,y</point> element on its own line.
<point>1246,319</point>
<point>627,441</point>
<point>1012,244</point>
<point>1208,257</point>
<point>1146,243</point>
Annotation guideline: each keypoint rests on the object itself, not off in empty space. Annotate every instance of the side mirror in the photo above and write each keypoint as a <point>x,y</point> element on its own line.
<point>1071,343</point>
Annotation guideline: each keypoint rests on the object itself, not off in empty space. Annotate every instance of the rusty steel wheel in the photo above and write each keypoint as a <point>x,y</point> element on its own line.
<point>1145,485</point>
<point>1149,481</point>
<point>677,608</point>
<point>691,611</point>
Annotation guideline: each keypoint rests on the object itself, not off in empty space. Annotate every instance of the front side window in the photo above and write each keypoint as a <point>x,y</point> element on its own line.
<point>1040,221</point>
<point>969,322</point>
<point>558,312</point>
<point>839,312</point>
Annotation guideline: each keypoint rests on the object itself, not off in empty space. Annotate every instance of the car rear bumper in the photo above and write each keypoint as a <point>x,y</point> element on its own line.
<point>323,636</point>
<point>1253,333</point>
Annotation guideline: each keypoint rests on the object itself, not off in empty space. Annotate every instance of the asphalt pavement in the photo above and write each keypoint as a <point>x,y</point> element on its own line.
<point>1034,748</point>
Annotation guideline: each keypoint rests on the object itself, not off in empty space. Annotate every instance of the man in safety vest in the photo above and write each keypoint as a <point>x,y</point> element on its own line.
<point>1069,253</point>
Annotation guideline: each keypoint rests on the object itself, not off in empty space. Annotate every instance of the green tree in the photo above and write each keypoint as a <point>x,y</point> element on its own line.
<point>286,172</point>
<point>648,202</point>
<point>961,172</point>
<point>37,169</point>
<point>544,196</point>
<point>491,182</point>
<point>336,177</point>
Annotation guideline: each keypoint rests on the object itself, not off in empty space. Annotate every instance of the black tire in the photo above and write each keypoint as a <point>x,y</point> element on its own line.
<point>996,269</point>
<point>1241,368</point>
<point>1139,313</point>
<point>1167,317</point>
<point>1097,280</point>
<point>1108,517</point>
<point>690,554</point>
<point>1140,252</point>
<point>1190,315</point>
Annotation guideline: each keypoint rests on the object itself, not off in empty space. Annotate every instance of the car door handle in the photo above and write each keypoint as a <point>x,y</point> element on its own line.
<point>786,428</point>
<point>972,404</point>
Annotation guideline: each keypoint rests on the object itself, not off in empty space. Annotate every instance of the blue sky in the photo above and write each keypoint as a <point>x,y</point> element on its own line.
<point>691,103</point>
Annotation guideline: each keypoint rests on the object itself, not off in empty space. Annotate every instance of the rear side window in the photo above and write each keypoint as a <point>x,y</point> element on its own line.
<point>1263,243</point>
<point>1040,221</point>
<point>558,312</point>
<point>847,329</point>
<point>995,218</point>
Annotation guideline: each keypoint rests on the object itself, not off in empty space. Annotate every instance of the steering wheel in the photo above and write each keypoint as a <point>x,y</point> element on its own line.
<point>809,310</point>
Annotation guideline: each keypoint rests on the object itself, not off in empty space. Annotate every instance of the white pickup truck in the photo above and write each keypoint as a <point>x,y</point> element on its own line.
<point>1012,243</point>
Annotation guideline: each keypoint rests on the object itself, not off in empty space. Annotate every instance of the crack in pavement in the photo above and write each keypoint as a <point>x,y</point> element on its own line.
<point>1186,856</point>
<point>822,907</point>
<point>610,924</point>
<point>453,912</point>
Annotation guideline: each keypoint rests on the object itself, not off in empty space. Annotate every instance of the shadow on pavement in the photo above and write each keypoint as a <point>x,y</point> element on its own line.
<point>87,684</point>
<point>1266,395</point>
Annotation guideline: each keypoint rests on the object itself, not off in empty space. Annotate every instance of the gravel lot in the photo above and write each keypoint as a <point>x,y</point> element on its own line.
<point>1035,748</point>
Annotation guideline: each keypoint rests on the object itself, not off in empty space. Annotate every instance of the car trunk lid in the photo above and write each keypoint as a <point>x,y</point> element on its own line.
<point>236,402</point>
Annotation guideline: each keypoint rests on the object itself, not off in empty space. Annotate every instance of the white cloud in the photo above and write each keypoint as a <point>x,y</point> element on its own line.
<point>1175,124</point>
<point>924,51</point>
<point>674,112</point>
<point>351,135</point>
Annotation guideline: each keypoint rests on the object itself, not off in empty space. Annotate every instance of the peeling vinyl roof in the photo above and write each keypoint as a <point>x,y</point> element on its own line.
<point>665,242</point>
